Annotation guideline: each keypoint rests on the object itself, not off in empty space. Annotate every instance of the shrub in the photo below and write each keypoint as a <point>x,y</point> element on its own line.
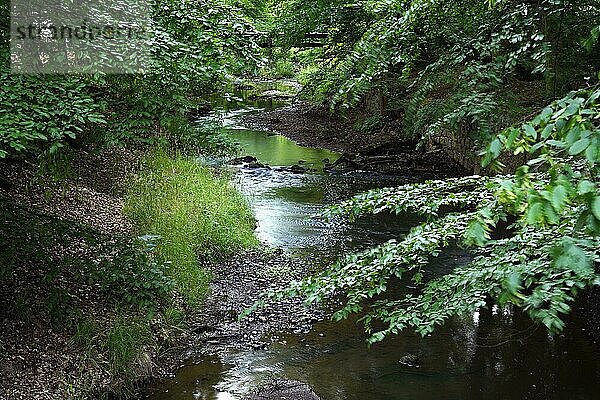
<point>284,69</point>
<point>130,272</point>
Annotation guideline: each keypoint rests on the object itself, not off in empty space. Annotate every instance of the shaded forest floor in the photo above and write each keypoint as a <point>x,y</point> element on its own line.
<point>55,225</point>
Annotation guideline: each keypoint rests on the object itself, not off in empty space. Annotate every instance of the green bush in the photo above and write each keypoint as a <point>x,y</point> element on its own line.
<point>130,272</point>
<point>196,215</point>
<point>34,113</point>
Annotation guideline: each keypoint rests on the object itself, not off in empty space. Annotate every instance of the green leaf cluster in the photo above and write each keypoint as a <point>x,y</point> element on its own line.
<point>198,46</point>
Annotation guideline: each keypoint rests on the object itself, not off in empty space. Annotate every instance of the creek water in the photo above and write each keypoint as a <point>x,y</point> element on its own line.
<point>499,355</point>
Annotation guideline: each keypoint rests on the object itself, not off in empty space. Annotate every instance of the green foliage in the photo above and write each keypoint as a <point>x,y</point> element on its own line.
<point>86,335</point>
<point>284,69</point>
<point>125,342</point>
<point>445,65</point>
<point>370,124</point>
<point>198,46</point>
<point>43,112</point>
<point>174,316</point>
<point>563,142</point>
<point>131,273</point>
<point>593,39</point>
<point>59,305</point>
<point>206,135</point>
<point>539,263</point>
<point>196,215</point>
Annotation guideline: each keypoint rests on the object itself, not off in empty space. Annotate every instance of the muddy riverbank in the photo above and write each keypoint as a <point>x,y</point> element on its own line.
<point>236,285</point>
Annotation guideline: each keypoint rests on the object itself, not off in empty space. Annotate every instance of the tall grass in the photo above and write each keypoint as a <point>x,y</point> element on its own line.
<point>198,216</point>
<point>125,341</point>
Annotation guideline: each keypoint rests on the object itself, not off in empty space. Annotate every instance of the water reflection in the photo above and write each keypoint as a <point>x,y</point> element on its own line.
<point>285,203</point>
<point>500,360</point>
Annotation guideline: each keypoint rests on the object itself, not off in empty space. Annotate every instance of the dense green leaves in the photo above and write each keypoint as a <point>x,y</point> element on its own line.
<point>130,272</point>
<point>563,144</point>
<point>43,111</point>
<point>198,46</point>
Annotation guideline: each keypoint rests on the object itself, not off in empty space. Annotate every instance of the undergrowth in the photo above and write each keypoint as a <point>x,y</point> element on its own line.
<point>97,289</point>
<point>196,215</point>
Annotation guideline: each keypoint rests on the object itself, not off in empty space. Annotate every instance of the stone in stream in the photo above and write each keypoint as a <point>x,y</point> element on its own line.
<point>410,360</point>
<point>297,169</point>
<point>248,162</point>
<point>242,160</point>
<point>280,389</point>
<point>257,165</point>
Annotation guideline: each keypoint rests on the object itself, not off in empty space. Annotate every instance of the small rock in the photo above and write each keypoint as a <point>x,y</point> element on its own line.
<point>242,160</point>
<point>278,389</point>
<point>297,169</point>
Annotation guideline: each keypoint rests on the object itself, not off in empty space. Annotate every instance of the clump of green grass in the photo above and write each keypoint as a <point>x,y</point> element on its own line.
<point>173,316</point>
<point>284,69</point>
<point>125,342</point>
<point>197,216</point>
<point>86,334</point>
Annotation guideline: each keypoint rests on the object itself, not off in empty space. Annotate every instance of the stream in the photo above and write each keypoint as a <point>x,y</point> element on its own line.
<point>497,356</point>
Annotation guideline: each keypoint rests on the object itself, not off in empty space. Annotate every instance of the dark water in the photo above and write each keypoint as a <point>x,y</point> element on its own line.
<point>495,356</point>
<point>502,359</point>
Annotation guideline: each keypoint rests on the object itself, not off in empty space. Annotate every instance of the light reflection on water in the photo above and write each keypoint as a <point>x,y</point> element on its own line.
<point>285,203</point>
<point>502,360</point>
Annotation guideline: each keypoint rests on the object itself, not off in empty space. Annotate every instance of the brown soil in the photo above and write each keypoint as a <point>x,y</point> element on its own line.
<point>44,223</point>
